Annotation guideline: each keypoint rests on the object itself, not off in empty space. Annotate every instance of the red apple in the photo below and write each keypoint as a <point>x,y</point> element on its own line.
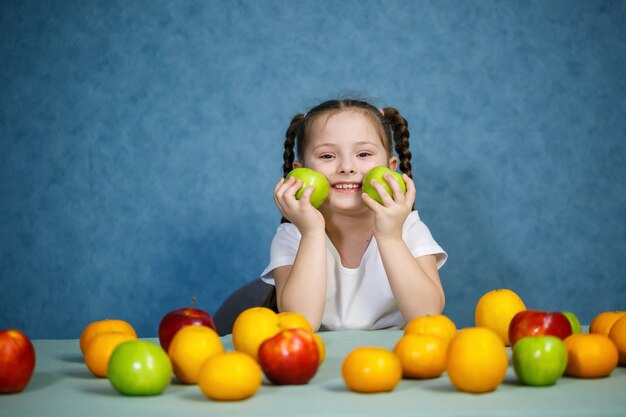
<point>175,320</point>
<point>17,361</point>
<point>289,358</point>
<point>538,323</point>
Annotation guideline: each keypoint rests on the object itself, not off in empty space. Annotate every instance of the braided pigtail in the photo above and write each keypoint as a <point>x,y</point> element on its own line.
<point>289,154</point>
<point>400,132</point>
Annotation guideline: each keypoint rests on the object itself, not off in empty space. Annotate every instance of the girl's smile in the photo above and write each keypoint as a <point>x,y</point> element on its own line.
<point>347,187</point>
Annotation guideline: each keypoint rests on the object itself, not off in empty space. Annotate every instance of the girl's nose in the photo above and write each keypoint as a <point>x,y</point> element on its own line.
<point>346,167</point>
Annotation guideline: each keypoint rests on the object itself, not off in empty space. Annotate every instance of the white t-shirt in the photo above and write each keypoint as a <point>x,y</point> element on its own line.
<point>358,298</point>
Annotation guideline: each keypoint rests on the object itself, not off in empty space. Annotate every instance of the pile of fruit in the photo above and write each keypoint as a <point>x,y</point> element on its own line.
<point>284,348</point>
<point>281,346</point>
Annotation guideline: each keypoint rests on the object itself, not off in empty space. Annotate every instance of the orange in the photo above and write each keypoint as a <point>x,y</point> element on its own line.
<point>371,369</point>
<point>190,348</point>
<point>477,360</point>
<point>495,310</point>
<point>252,327</point>
<point>618,336</point>
<point>590,355</point>
<point>321,347</point>
<point>291,320</point>
<point>438,325</point>
<point>99,350</point>
<point>602,323</point>
<point>103,326</point>
<point>422,355</point>
<point>230,376</point>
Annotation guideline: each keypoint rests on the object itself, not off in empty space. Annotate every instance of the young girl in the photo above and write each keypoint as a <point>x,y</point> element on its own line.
<point>353,263</point>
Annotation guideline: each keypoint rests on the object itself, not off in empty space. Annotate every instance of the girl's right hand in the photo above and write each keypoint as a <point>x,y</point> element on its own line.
<point>299,212</point>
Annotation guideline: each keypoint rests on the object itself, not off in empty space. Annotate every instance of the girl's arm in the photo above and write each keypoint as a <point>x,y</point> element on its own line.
<point>301,287</point>
<point>414,281</point>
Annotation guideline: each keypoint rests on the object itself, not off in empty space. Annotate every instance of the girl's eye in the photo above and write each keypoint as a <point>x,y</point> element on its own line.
<point>363,154</point>
<point>326,156</point>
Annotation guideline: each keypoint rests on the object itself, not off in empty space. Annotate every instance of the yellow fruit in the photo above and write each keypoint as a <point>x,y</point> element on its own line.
<point>291,320</point>
<point>618,336</point>
<point>437,325</point>
<point>590,355</point>
<point>371,369</point>
<point>602,323</point>
<point>321,347</point>
<point>252,327</point>
<point>496,309</point>
<point>230,376</point>
<point>421,355</point>
<point>477,360</point>
<point>99,349</point>
<point>190,348</point>
<point>104,326</point>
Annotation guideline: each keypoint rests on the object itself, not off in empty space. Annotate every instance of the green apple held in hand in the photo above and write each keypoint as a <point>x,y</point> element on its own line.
<point>378,175</point>
<point>312,178</point>
<point>139,367</point>
<point>539,360</point>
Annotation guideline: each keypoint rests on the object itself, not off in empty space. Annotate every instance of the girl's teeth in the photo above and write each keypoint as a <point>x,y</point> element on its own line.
<point>347,186</point>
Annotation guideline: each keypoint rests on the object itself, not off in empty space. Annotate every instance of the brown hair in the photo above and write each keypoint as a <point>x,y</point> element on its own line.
<point>392,127</point>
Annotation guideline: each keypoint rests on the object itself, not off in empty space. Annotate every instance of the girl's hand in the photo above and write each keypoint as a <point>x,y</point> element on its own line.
<point>391,215</point>
<point>299,212</point>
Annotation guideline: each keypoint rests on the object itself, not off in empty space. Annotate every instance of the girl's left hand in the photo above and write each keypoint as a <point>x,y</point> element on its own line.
<point>391,215</point>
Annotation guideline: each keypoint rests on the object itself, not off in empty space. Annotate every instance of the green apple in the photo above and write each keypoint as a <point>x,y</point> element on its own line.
<point>139,367</point>
<point>573,321</point>
<point>378,174</point>
<point>539,360</point>
<point>311,178</point>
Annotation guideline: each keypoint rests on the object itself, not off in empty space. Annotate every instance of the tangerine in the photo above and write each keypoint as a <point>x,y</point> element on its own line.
<point>477,360</point>
<point>190,348</point>
<point>230,376</point>
<point>104,326</point>
<point>291,320</point>
<point>618,336</point>
<point>590,355</point>
<point>321,347</point>
<point>371,369</point>
<point>422,355</point>
<point>602,323</point>
<point>437,325</point>
<point>99,350</point>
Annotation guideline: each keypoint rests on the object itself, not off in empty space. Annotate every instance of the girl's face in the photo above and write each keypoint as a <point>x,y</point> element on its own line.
<point>344,147</point>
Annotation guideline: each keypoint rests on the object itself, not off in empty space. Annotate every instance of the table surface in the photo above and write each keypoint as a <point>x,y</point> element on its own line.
<point>62,385</point>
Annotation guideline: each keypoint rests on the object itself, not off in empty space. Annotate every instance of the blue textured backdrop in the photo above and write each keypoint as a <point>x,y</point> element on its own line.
<point>141,141</point>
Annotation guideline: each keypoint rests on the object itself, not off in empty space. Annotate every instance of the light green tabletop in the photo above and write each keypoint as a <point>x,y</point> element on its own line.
<point>62,386</point>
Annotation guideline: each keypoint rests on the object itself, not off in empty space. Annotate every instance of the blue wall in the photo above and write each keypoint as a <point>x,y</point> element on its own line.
<point>141,140</point>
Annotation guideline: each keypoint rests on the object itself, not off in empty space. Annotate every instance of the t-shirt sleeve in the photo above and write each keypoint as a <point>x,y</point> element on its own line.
<point>282,251</point>
<point>420,241</point>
